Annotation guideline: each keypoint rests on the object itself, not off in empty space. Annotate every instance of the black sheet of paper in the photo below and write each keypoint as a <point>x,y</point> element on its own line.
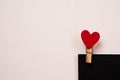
<point>103,67</point>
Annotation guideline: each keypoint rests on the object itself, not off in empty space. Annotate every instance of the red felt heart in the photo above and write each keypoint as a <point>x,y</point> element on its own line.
<point>89,39</point>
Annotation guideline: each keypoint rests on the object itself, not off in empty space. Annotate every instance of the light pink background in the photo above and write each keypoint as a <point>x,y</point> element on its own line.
<point>40,39</point>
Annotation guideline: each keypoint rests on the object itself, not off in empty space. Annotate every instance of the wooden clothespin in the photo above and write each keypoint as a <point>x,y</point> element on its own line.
<point>89,40</point>
<point>89,55</point>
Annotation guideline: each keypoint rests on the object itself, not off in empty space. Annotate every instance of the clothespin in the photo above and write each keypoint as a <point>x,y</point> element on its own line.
<point>89,40</point>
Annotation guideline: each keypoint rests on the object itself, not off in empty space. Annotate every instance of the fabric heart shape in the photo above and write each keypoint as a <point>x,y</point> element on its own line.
<point>89,39</point>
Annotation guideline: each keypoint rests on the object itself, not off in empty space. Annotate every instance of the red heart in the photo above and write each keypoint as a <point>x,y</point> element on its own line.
<point>89,39</point>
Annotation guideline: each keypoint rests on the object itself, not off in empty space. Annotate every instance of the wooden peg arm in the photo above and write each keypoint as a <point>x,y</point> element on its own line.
<point>89,55</point>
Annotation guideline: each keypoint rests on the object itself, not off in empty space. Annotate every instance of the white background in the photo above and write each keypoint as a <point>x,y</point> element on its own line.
<point>40,39</point>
